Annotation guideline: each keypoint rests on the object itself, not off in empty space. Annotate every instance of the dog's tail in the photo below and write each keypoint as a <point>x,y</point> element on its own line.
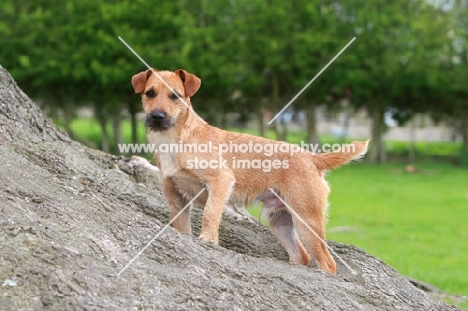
<point>347,153</point>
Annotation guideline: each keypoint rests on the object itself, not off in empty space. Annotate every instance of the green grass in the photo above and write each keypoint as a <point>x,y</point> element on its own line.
<point>414,222</point>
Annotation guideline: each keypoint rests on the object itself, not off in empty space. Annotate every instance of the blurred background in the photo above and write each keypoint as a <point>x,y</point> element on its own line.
<point>403,82</point>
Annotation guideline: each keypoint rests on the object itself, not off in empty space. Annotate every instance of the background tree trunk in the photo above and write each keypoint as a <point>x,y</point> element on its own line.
<point>465,131</point>
<point>68,110</point>
<point>412,144</point>
<point>104,133</point>
<point>283,129</point>
<point>132,109</point>
<point>312,134</point>
<point>277,124</point>
<point>377,151</point>
<point>260,124</point>
<point>117,129</point>
<point>259,116</point>
<point>73,217</point>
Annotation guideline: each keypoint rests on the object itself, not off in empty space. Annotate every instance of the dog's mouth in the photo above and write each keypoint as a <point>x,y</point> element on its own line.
<point>158,125</point>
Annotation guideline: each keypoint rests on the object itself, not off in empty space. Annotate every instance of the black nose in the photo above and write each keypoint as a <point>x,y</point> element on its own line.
<point>158,120</point>
<point>157,115</point>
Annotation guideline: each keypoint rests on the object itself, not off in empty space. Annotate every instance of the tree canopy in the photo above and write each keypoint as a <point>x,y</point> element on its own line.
<point>409,56</point>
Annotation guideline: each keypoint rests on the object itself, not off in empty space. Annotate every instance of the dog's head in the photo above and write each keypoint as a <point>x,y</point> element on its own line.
<point>162,106</point>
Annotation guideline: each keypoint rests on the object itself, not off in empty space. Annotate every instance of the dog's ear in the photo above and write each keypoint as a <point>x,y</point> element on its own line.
<point>139,80</point>
<point>191,82</point>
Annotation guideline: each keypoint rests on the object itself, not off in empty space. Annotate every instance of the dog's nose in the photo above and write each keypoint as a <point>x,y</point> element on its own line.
<point>158,120</point>
<point>158,115</point>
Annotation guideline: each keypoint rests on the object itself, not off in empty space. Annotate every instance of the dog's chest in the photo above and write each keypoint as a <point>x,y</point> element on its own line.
<point>167,161</point>
<point>168,164</point>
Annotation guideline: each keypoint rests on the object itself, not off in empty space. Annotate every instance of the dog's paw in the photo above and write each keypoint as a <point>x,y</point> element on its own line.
<point>209,238</point>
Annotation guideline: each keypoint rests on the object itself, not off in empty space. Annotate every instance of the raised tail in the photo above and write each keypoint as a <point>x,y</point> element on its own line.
<point>347,153</point>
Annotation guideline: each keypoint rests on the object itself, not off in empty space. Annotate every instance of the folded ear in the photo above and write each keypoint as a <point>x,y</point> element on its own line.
<point>191,82</point>
<point>139,80</point>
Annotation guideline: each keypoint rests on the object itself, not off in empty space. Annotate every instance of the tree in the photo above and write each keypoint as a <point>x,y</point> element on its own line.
<point>312,51</point>
<point>386,69</point>
<point>459,73</point>
<point>250,54</point>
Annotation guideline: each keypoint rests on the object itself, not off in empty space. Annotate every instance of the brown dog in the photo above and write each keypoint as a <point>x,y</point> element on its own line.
<point>240,174</point>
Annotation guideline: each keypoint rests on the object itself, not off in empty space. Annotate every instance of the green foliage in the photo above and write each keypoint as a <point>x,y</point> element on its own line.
<point>245,51</point>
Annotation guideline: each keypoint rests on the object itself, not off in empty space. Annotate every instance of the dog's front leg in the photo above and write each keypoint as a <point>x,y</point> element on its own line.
<point>219,191</point>
<point>176,203</point>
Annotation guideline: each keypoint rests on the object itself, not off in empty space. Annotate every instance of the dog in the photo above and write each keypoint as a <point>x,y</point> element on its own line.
<point>298,178</point>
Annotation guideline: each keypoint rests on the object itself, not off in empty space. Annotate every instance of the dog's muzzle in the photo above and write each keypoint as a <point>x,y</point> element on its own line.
<point>158,121</point>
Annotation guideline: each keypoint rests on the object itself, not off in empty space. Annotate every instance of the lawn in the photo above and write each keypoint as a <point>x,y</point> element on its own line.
<point>415,222</point>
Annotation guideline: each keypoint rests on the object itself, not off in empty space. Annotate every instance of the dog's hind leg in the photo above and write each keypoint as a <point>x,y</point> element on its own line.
<point>282,226</point>
<point>312,211</point>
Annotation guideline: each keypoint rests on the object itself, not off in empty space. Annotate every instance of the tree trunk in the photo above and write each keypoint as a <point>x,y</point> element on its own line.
<point>412,144</point>
<point>104,134</point>
<point>223,116</point>
<point>284,130</point>
<point>377,151</point>
<point>132,109</point>
<point>275,104</point>
<point>72,218</point>
<point>68,117</point>
<point>312,134</point>
<point>464,126</point>
<point>260,124</point>
<point>117,129</point>
<point>219,114</point>
<point>348,113</point>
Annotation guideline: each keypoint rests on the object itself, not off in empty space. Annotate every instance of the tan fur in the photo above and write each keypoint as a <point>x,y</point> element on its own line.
<point>301,185</point>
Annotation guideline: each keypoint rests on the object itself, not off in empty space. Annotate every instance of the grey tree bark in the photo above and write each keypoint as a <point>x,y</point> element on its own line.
<point>71,218</point>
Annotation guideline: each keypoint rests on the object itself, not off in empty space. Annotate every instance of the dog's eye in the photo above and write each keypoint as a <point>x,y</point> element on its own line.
<point>150,94</point>
<point>173,96</point>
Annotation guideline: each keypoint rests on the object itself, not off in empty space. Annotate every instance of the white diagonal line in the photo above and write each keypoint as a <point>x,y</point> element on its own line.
<point>312,230</point>
<point>160,232</point>
<point>159,77</point>
<point>313,79</point>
